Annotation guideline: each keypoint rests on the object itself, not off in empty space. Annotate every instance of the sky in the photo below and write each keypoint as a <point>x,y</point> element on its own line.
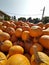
<point>25,8</point>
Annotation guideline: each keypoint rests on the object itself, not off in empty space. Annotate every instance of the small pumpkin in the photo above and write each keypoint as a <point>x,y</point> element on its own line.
<point>18,32</point>
<point>16,49</point>
<point>25,35</point>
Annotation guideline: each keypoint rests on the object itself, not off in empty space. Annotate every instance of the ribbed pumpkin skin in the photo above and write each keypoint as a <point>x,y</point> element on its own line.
<point>18,59</point>
<point>44,40</point>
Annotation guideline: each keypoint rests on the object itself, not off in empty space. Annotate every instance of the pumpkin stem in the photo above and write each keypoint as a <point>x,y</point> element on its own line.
<point>37,59</point>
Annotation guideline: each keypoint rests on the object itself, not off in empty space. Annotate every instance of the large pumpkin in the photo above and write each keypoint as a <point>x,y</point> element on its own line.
<point>4,36</point>
<point>18,59</point>
<point>18,32</point>
<point>3,59</point>
<point>44,40</point>
<point>25,35</point>
<point>35,31</point>
<point>16,49</point>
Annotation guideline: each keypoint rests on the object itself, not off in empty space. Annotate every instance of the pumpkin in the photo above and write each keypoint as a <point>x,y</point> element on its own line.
<point>10,30</point>
<point>4,36</point>
<point>16,49</point>
<point>25,35</point>
<point>46,25</point>
<point>39,48</point>
<point>43,57</point>
<point>40,24</point>
<point>6,23</point>
<point>18,32</point>
<point>3,59</point>
<point>25,28</point>
<point>12,25</point>
<point>35,31</point>
<point>18,59</point>
<point>31,24</point>
<point>44,40</point>
<point>6,45</point>
<point>4,28</point>
<point>46,31</point>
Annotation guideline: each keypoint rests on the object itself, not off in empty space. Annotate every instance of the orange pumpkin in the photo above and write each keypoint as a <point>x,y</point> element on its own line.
<point>6,45</point>
<point>12,25</point>
<point>46,25</point>
<point>40,24</point>
<point>25,35</point>
<point>16,49</point>
<point>46,31</point>
<point>6,23</point>
<point>4,36</point>
<point>3,59</point>
<point>18,32</point>
<point>39,48</point>
<point>18,59</point>
<point>4,28</point>
<point>35,31</point>
<point>10,30</point>
<point>25,28</point>
<point>44,40</point>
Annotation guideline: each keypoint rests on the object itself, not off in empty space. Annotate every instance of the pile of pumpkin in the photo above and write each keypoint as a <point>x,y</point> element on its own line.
<point>24,43</point>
